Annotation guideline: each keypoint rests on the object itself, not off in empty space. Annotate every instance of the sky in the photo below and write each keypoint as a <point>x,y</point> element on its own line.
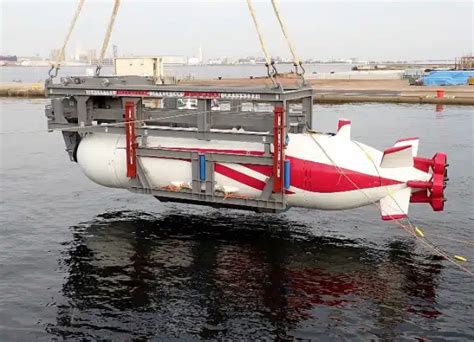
<point>375,30</point>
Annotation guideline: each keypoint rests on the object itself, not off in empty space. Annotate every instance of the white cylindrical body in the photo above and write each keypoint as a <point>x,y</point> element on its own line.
<point>315,181</point>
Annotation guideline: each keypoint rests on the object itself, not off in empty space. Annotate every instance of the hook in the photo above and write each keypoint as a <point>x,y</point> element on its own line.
<point>300,74</point>
<point>50,74</point>
<point>270,74</point>
<point>275,76</point>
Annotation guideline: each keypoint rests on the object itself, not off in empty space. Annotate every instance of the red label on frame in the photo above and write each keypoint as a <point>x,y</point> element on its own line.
<point>202,94</point>
<point>133,93</point>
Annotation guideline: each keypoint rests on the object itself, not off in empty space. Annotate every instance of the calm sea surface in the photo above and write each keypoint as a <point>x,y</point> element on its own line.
<point>85,262</point>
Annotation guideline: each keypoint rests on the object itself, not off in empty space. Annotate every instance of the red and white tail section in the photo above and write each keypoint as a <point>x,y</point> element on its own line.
<point>397,156</point>
<point>395,205</point>
<point>413,142</point>
<point>344,129</point>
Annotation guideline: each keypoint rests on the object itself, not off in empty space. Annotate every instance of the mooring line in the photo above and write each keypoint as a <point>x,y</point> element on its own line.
<point>426,242</point>
<point>414,227</point>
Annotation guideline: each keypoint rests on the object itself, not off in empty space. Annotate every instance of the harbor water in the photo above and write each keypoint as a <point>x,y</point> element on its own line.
<point>83,262</point>
<point>36,74</point>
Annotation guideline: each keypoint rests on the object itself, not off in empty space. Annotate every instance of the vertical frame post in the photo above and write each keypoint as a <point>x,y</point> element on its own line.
<point>278,148</point>
<point>131,147</point>
<point>308,112</point>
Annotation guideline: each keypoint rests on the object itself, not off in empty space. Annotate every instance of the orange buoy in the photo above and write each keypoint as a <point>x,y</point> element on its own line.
<point>440,93</point>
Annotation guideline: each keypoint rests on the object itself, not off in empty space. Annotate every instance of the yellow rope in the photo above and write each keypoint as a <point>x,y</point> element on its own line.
<point>412,232</point>
<point>268,59</point>
<point>60,55</point>
<point>296,60</point>
<point>108,33</point>
<point>413,227</point>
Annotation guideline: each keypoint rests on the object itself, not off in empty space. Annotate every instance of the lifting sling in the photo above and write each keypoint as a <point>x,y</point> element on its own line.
<point>60,56</point>
<point>108,33</point>
<point>273,74</point>
<point>296,61</point>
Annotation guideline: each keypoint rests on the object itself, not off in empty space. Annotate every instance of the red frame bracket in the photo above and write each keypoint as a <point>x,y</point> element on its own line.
<point>278,149</point>
<point>131,146</point>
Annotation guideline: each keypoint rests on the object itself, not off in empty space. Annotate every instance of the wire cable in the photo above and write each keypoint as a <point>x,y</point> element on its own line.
<point>412,232</point>
<point>268,60</point>
<point>296,61</point>
<point>108,34</point>
<point>61,52</point>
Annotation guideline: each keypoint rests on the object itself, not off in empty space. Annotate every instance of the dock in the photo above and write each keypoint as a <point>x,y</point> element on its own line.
<point>324,90</point>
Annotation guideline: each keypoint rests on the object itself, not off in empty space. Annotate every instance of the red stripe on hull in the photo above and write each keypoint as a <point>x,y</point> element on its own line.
<point>324,178</point>
<point>396,149</point>
<point>407,139</point>
<point>393,217</point>
<point>318,177</point>
<point>239,177</point>
<point>265,170</point>
<point>243,178</point>
<point>305,174</point>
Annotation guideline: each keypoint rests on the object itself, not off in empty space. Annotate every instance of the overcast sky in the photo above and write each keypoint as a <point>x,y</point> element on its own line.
<point>376,30</point>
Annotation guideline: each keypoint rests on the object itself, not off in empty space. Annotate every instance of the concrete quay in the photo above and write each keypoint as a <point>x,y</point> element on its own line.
<point>325,90</point>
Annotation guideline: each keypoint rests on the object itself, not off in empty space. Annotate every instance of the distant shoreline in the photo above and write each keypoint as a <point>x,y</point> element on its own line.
<point>400,64</point>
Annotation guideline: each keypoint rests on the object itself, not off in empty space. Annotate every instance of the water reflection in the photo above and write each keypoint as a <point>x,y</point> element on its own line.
<point>134,275</point>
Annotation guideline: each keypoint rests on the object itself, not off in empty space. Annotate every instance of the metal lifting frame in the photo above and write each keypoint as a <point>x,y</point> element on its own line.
<point>121,105</point>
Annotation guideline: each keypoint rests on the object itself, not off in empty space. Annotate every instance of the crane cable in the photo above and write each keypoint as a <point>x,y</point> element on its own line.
<point>296,61</point>
<point>108,33</point>
<point>415,232</point>
<point>268,60</point>
<point>60,56</point>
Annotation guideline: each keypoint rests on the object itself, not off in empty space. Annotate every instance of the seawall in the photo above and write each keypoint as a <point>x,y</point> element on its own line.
<point>325,90</point>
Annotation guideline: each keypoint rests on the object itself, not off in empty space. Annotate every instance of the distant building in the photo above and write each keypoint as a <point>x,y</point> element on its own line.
<point>218,61</point>
<point>35,58</point>
<point>139,66</point>
<point>247,60</point>
<point>464,63</point>
<point>200,54</point>
<point>170,60</point>
<point>108,61</point>
<point>92,56</point>
<point>176,60</point>
<point>53,55</point>
<point>84,58</point>
<point>194,61</point>
<point>8,58</point>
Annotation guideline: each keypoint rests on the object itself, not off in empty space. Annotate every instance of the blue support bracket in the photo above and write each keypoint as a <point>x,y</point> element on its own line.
<point>202,167</point>
<point>287,175</point>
